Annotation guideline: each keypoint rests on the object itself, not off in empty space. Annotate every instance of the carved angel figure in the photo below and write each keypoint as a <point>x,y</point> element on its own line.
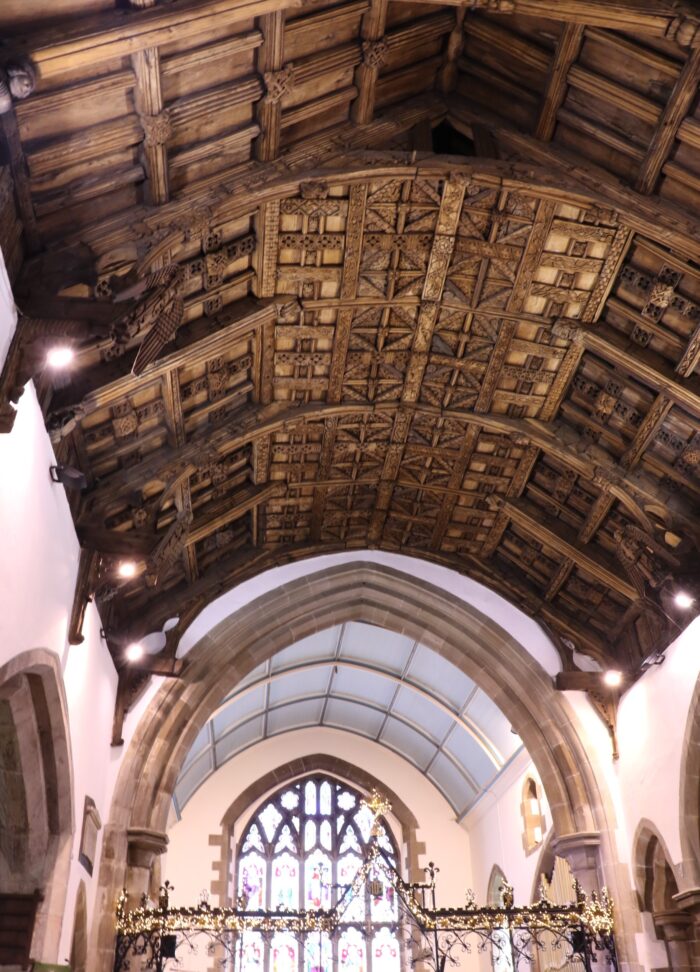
<point>17,81</point>
<point>507,895</point>
<point>642,557</point>
<point>161,309</point>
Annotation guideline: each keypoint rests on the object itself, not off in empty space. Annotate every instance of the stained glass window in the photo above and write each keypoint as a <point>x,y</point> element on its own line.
<point>302,849</point>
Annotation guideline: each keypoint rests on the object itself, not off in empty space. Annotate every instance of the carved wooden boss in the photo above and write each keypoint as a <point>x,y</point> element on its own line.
<point>299,331</point>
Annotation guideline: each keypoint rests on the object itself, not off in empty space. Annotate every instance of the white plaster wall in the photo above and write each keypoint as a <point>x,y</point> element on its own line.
<point>651,723</point>
<point>495,830</point>
<point>8,316</point>
<point>511,619</point>
<point>39,554</point>
<point>188,863</point>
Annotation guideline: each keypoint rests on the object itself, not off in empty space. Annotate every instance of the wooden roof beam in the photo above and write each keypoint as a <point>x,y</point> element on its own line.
<point>568,47</point>
<point>101,388</point>
<point>270,64</point>
<point>660,17</point>
<point>250,423</point>
<point>677,107</point>
<point>374,52</point>
<point>651,216</point>
<point>640,363</point>
<point>156,124</point>
<point>103,37</point>
<point>564,542</point>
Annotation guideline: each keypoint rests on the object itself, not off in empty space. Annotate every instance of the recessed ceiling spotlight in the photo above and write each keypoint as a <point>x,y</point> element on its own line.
<point>134,652</point>
<point>60,356</point>
<point>612,678</point>
<point>126,569</point>
<point>683,600</point>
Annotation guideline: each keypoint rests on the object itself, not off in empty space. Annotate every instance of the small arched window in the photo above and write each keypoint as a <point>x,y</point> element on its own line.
<point>301,850</point>
<point>534,824</point>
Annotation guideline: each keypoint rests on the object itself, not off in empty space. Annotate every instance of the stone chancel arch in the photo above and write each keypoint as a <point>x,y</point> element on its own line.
<point>373,683</point>
<point>36,824</point>
<point>387,598</point>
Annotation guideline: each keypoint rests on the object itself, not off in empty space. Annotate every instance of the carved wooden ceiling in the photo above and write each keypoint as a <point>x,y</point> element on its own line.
<point>303,323</point>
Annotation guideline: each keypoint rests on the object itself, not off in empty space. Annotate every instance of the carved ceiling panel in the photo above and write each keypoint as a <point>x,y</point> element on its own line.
<point>298,330</point>
<point>414,375</point>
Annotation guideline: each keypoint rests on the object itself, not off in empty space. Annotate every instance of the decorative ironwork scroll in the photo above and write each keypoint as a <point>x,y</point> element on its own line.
<point>149,936</point>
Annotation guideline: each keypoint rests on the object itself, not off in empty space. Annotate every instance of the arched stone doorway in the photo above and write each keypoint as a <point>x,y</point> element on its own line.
<point>78,951</point>
<point>36,822</point>
<point>657,887</point>
<point>690,795</point>
<point>388,598</point>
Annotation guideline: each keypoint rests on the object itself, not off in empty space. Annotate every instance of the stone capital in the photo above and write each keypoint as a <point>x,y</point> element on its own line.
<point>144,845</point>
<point>673,924</point>
<point>581,851</point>
<point>688,901</point>
<point>572,843</point>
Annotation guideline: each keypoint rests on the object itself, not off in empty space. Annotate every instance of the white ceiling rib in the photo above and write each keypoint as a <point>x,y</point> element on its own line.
<point>372,682</point>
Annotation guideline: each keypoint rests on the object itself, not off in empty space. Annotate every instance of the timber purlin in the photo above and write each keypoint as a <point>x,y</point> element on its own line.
<point>487,359</point>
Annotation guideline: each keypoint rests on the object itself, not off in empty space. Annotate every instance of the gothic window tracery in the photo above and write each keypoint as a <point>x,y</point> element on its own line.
<point>301,850</point>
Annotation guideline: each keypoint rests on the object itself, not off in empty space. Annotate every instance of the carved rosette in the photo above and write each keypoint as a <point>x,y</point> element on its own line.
<point>685,31</point>
<point>568,331</point>
<point>157,129</point>
<point>374,53</point>
<point>498,6</point>
<point>278,84</point>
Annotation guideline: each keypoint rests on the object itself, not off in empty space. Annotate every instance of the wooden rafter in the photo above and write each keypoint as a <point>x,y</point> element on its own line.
<point>486,361</point>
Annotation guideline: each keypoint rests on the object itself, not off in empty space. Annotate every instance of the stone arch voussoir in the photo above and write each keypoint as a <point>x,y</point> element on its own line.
<point>375,594</point>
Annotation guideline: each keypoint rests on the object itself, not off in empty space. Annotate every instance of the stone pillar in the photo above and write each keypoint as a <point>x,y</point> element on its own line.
<point>582,851</point>
<point>688,901</point>
<point>674,928</point>
<point>143,847</point>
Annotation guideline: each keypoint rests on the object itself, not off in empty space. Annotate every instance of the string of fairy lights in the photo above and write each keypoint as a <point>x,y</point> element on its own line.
<point>591,914</point>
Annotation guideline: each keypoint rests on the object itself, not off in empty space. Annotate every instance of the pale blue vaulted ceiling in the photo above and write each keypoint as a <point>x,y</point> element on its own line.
<point>377,684</point>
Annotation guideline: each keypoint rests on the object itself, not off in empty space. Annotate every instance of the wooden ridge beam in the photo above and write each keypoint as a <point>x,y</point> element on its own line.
<point>677,107</point>
<point>567,51</point>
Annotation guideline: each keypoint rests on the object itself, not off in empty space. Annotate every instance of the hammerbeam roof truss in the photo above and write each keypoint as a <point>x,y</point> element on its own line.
<point>490,364</point>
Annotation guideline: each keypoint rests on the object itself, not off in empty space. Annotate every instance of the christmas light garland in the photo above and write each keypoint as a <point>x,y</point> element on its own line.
<point>590,916</point>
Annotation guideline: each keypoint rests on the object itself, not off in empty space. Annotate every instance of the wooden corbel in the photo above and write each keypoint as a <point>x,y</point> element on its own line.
<point>85,585</point>
<point>133,679</point>
<point>603,698</point>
